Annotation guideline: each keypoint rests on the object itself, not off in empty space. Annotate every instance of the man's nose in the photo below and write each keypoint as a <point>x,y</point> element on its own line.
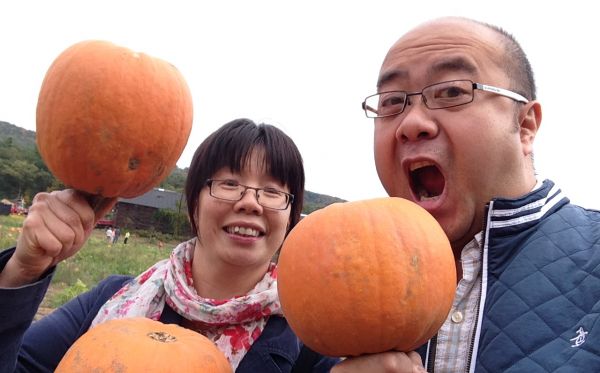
<point>416,123</point>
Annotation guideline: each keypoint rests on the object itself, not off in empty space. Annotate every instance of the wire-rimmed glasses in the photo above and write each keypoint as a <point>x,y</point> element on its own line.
<point>231,190</point>
<point>436,96</point>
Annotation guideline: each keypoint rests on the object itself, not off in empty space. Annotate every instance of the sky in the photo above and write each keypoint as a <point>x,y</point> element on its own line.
<point>306,67</point>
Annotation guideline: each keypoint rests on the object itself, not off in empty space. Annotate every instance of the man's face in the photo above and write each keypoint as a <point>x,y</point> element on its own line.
<point>450,161</point>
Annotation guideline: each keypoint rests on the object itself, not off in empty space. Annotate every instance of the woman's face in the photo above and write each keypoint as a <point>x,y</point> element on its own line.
<point>241,233</point>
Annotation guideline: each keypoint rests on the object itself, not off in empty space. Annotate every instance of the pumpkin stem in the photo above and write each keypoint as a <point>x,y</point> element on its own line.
<point>162,337</point>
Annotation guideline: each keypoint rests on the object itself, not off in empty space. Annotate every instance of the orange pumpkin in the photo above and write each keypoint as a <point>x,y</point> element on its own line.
<point>142,345</point>
<point>366,277</point>
<point>110,121</point>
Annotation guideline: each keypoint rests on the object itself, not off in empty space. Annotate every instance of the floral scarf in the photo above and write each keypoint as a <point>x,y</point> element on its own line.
<point>233,324</point>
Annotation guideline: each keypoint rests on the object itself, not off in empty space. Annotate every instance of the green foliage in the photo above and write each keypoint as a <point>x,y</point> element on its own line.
<point>176,180</point>
<point>314,201</point>
<point>22,171</point>
<point>99,259</point>
<point>10,227</point>
<point>95,261</point>
<point>20,137</point>
<point>153,237</point>
<point>172,222</point>
<point>68,293</point>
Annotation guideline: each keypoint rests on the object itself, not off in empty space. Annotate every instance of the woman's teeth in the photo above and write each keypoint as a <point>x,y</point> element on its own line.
<point>243,231</point>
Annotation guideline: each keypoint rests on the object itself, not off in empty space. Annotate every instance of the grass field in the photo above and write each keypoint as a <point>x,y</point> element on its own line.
<point>96,260</point>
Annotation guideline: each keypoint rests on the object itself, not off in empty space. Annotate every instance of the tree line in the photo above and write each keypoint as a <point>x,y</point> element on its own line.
<point>23,173</point>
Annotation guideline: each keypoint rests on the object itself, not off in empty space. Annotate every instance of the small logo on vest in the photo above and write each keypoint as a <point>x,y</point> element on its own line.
<point>580,338</point>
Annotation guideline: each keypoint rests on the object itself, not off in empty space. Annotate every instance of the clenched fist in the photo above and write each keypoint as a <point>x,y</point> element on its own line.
<point>57,226</point>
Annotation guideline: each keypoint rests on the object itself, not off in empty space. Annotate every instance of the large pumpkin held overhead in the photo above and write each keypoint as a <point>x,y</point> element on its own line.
<point>112,122</point>
<point>366,276</point>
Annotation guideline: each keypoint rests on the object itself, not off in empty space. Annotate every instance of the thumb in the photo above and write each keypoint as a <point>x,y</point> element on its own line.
<point>100,205</point>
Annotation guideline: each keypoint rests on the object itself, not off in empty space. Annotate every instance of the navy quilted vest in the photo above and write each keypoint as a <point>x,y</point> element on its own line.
<point>540,286</point>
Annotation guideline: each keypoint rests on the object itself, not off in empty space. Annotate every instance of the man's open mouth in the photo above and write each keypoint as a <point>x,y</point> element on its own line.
<point>426,180</point>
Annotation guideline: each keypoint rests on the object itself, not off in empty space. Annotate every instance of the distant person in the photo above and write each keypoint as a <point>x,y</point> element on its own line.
<point>116,234</point>
<point>109,235</point>
<point>456,117</point>
<point>244,193</point>
<point>126,238</point>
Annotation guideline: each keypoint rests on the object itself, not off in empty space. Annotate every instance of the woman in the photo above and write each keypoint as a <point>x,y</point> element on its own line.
<point>244,194</point>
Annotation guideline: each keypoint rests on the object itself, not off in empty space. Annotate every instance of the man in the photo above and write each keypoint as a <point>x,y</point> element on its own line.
<point>116,235</point>
<point>455,120</point>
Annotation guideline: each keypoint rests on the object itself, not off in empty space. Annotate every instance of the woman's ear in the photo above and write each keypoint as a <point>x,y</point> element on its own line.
<point>530,119</point>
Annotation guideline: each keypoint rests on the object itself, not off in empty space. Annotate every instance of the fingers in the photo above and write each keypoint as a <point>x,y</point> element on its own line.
<point>388,362</point>
<point>417,362</point>
<point>103,207</point>
<point>57,226</point>
<point>73,208</point>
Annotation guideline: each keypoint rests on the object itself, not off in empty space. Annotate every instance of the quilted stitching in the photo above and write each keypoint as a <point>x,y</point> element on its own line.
<point>531,331</point>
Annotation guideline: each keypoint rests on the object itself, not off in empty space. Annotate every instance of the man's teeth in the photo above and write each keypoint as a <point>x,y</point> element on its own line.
<point>424,196</point>
<point>243,231</point>
<point>420,164</point>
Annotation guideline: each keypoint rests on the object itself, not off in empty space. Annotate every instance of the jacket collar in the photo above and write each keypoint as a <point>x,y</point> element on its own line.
<point>526,210</point>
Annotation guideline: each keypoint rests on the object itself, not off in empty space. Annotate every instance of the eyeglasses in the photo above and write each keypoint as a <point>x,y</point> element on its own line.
<point>436,96</point>
<point>231,190</point>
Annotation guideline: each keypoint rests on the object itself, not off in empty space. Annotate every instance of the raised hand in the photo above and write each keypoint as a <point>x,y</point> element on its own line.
<point>57,226</point>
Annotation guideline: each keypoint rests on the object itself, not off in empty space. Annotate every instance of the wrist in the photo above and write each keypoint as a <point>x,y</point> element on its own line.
<point>13,275</point>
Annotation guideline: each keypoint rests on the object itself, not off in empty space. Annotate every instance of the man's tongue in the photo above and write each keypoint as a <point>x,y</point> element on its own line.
<point>428,182</point>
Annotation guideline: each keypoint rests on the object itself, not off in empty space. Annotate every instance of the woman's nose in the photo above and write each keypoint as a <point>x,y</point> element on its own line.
<point>249,201</point>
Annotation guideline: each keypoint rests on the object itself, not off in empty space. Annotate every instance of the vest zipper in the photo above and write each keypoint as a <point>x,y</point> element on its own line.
<point>483,239</point>
<point>431,358</point>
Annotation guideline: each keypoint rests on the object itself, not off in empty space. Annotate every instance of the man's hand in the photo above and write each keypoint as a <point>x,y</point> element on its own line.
<point>385,362</point>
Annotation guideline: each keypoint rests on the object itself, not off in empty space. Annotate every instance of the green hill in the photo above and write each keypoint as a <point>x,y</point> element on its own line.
<point>23,173</point>
<point>20,136</point>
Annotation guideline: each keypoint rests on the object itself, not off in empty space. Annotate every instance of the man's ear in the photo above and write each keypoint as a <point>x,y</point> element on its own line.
<point>530,119</point>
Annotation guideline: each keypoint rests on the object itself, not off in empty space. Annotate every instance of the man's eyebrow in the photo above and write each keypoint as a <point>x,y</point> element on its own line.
<point>452,64</point>
<point>391,75</point>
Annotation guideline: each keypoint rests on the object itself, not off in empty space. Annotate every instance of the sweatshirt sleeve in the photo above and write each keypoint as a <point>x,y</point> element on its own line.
<point>18,307</point>
<point>39,346</point>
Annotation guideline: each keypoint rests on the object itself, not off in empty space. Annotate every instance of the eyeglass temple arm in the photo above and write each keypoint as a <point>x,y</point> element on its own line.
<point>501,91</point>
<point>366,107</point>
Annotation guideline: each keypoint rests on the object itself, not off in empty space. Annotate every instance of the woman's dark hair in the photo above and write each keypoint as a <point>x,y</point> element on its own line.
<point>231,146</point>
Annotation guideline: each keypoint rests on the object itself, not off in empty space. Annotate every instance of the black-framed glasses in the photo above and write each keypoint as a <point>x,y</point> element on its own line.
<point>231,190</point>
<point>436,96</point>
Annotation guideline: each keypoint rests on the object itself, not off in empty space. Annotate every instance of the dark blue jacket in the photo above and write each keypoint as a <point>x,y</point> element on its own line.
<point>540,287</point>
<point>38,347</point>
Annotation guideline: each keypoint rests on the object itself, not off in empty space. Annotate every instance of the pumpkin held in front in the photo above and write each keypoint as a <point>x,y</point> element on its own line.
<point>112,122</point>
<point>143,345</point>
<point>366,277</point>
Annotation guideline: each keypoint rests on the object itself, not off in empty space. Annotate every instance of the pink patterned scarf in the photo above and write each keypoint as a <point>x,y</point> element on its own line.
<point>233,324</point>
